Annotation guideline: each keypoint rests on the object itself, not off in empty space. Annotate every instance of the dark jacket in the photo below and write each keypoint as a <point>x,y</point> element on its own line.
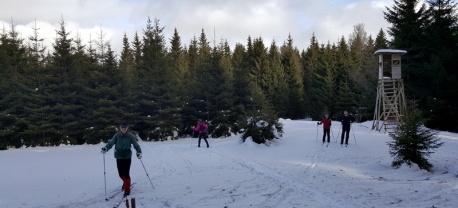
<point>123,144</point>
<point>347,120</point>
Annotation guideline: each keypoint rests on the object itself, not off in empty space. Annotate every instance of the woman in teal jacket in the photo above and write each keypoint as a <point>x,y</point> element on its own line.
<point>123,141</point>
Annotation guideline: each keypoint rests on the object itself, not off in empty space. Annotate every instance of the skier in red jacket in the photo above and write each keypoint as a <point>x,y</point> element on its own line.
<point>326,121</point>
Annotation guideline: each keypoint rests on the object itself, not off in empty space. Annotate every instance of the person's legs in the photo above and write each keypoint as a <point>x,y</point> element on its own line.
<point>347,135</point>
<point>327,132</point>
<point>119,166</point>
<point>200,137</point>
<point>342,137</point>
<point>124,173</point>
<point>205,139</point>
<point>324,135</point>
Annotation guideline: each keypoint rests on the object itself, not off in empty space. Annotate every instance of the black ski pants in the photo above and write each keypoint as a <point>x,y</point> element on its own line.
<point>124,167</point>
<point>203,136</point>
<point>326,132</point>
<point>346,132</point>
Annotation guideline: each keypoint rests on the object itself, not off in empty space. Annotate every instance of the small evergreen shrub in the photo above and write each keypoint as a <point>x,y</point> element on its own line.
<point>413,142</point>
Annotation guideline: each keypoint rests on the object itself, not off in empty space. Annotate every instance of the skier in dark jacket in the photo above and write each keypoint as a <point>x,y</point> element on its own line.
<point>326,121</point>
<point>201,128</point>
<point>123,141</point>
<point>346,120</point>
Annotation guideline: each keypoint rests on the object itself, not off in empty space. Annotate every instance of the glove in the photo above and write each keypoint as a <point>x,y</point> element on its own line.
<point>139,156</point>
<point>317,123</point>
<point>104,150</point>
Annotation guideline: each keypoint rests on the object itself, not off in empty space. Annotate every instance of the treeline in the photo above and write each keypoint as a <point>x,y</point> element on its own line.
<point>74,93</point>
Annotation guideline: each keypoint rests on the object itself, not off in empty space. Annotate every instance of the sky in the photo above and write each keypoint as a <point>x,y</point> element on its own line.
<point>294,171</point>
<point>231,20</point>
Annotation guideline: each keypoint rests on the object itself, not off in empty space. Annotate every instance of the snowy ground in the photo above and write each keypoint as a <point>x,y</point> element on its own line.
<point>295,171</point>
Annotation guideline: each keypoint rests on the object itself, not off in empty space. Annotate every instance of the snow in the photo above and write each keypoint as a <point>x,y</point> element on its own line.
<point>295,171</point>
<point>394,51</point>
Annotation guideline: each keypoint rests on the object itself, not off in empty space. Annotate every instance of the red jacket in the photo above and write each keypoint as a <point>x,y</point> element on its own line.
<point>326,123</point>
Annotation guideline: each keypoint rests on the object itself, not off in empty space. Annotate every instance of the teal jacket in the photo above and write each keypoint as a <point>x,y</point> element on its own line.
<point>123,144</point>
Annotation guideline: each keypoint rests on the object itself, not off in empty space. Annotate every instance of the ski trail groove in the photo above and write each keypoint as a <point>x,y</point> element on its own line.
<point>286,182</point>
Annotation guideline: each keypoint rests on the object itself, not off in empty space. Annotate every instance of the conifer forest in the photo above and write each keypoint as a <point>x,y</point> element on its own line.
<point>75,93</point>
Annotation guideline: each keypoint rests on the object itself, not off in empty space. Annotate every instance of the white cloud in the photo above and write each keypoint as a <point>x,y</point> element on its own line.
<point>232,20</point>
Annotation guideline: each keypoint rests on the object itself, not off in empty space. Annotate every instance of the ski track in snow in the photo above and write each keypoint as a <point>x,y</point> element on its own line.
<point>286,185</point>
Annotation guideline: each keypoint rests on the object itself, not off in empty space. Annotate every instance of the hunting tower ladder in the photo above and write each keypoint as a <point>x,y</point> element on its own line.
<point>390,106</point>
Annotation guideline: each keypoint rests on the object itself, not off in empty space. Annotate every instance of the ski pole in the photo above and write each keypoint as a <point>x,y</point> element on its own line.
<point>332,133</point>
<point>338,133</point>
<point>147,173</point>
<point>192,137</point>
<point>105,177</point>
<point>316,138</point>
<point>353,134</point>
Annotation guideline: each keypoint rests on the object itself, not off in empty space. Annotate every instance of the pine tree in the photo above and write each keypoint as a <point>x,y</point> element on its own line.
<point>310,60</point>
<point>137,50</point>
<point>324,82</point>
<point>190,103</point>
<point>441,68</point>
<point>63,92</point>
<point>241,94</point>
<point>202,79</point>
<point>157,100</point>
<point>413,143</point>
<point>381,42</point>
<point>221,91</point>
<point>176,81</point>
<point>293,71</point>
<point>278,89</point>
<point>260,123</point>
<point>363,71</point>
<point>14,89</point>
<point>408,20</point>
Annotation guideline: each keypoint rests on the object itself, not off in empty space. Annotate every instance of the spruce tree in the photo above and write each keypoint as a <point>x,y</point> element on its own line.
<point>260,123</point>
<point>278,90</point>
<point>221,91</point>
<point>190,103</point>
<point>63,91</point>
<point>293,71</point>
<point>381,42</point>
<point>15,88</point>
<point>442,66</point>
<point>408,20</point>
<point>310,60</point>
<point>412,143</point>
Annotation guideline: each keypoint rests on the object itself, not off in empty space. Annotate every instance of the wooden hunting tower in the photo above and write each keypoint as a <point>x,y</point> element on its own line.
<point>390,106</point>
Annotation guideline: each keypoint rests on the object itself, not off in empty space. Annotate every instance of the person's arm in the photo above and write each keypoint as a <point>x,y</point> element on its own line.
<point>134,142</point>
<point>111,142</point>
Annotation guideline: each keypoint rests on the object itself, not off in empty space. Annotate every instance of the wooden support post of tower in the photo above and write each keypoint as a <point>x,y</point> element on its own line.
<point>390,105</point>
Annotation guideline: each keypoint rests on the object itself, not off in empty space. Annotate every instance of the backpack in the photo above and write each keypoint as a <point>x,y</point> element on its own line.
<point>201,127</point>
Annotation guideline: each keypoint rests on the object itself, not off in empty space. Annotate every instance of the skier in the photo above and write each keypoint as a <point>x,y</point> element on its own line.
<point>346,120</point>
<point>201,128</point>
<point>326,121</point>
<point>123,154</point>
